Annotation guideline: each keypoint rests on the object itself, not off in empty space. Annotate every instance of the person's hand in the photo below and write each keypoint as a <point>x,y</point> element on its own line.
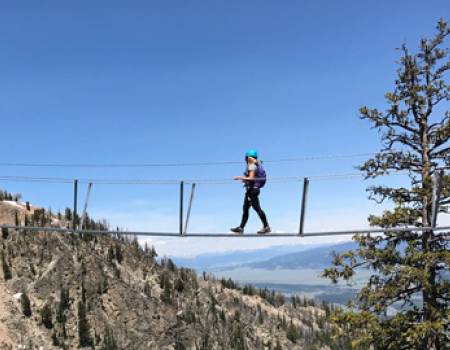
<point>238,178</point>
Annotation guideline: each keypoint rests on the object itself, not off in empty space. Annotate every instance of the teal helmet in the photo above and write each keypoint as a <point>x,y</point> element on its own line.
<point>252,153</point>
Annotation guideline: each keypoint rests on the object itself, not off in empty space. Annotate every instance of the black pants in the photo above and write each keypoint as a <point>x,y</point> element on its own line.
<point>252,200</point>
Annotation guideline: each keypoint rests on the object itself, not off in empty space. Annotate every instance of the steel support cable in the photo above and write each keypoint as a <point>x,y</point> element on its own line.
<point>36,179</point>
<point>182,164</point>
<point>229,235</point>
<point>279,179</point>
<point>176,164</point>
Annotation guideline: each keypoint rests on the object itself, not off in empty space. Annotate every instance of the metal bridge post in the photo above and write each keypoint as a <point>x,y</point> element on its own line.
<point>437,189</point>
<point>181,207</point>
<point>303,209</point>
<point>75,199</point>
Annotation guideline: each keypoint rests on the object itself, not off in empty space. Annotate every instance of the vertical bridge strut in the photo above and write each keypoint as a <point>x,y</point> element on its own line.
<point>180,230</point>
<point>75,204</point>
<point>83,216</point>
<point>188,214</point>
<point>303,208</point>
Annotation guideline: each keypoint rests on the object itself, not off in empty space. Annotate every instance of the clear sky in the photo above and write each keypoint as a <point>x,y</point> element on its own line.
<point>181,81</point>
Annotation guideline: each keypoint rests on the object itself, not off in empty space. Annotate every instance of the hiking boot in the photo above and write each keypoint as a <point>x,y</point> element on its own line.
<point>264,230</point>
<point>238,230</point>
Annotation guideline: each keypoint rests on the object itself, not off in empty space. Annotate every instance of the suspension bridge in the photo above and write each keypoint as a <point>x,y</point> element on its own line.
<point>184,217</point>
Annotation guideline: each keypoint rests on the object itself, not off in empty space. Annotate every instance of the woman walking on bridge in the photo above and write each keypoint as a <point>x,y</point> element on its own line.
<point>254,179</point>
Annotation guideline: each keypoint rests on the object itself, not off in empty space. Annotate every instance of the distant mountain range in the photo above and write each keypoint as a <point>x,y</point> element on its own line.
<point>285,257</point>
<point>316,258</point>
<point>220,261</point>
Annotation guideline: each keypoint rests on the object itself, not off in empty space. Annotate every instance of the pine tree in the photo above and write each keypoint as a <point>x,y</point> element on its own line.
<point>26,305</point>
<point>166,296</point>
<point>278,345</point>
<point>237,336</point>
<point>7,274</point>
<point>64,298</point>
<point>260,315</point>
<point>68,214</point>
<point>84,329</point>
<point>409,265</point>
<point>292,333</point>
<point>171,265</point>
<point>154,254</point>
<point>179,285</point>
<point>179,344</point>
<point>5,232</point>
<point>62,306</point>
<point>109,342</point>
<point>46,316</point>
<point>110,254</point>
<point>55,340</point>
<point>119,255</point>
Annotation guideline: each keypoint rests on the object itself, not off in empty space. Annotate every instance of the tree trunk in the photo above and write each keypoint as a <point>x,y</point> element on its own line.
<point>428,295</point>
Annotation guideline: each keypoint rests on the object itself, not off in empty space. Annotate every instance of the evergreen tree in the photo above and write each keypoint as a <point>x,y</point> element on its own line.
<point>292,333</point>
<point>5,233</point>
<point>64,298</point>
<point>109,342</point>
<point>166,296</point>
<point>154,254</point>
<point>55,340</point>
<point>179,285</point>
<point>409,265</point>
<point>46,316</point>
<point>26,305</point>
<point>294,301</point>
<point>68,214</point>
<point>119,255</point>
<point>84,329</point>
<point>7,274</point>
<point>110,254</point>
<point>171,265</point>
<point>260,315</point>
<point>147,290</point>
<point>179,344</point>
<point>26,220</point>
<point>62,306</point>
<point>237,336</point>
<point>222,316</point>
<point>278,345</point>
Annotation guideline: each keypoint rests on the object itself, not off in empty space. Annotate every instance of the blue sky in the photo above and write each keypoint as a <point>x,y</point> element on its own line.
<point>180,81</point>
